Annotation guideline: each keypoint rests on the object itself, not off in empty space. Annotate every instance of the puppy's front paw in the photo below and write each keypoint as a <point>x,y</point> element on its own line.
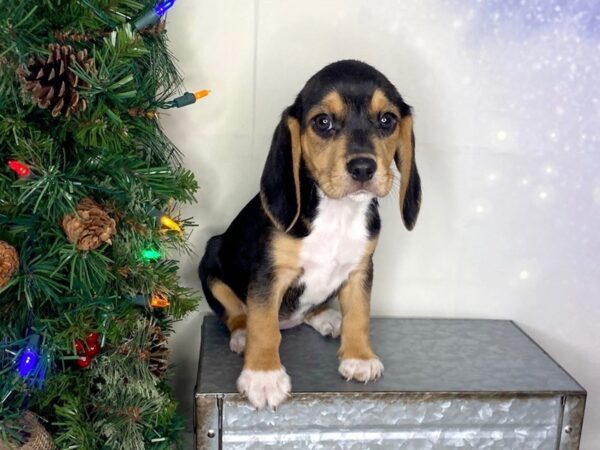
<point>237,341</point>
<point>361,369</point>
<point>327,322</point>
<point>264,387</point>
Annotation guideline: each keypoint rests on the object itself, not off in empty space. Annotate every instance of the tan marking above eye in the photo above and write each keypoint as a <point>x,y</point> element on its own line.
<point>332,104</point>
<point>381,104</point>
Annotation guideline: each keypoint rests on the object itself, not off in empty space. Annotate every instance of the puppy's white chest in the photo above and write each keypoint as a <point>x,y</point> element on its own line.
<point>333,249</point>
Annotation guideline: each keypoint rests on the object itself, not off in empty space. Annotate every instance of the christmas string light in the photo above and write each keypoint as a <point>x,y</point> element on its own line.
<point>162,7</point>
<point>156,300</point>
<point>31,364</point>
<point>29,357</point>
<point>19,168</point>
<point>165,220</point>
<point>28,362</point>
<point>139,299</point>
<point>186,99</point>
<point>170,223</point>
<point>201,94</point>
<point>153,15</point>
<point>150,254</point>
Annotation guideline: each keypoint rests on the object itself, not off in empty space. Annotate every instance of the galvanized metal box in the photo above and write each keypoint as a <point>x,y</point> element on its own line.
<point>448,384</point>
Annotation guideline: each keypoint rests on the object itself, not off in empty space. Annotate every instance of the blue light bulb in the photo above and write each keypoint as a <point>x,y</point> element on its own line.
<point>28,361</point>
<point>152,15</point>
<point>162,7</point>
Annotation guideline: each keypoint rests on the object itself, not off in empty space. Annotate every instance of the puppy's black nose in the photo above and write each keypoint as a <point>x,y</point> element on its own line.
<point>361,169</point>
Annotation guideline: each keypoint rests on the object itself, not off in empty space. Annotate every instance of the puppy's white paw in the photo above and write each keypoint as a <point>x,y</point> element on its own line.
<point>361,369</point>
<point>327,322</point>
<point>264,387</point>
<point>237,341</point>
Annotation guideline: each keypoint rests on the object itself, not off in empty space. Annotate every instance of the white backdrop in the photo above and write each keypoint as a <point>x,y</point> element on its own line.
<point>506,106</point>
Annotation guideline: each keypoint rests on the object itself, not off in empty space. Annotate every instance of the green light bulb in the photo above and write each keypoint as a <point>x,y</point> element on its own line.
<point>150,254</point>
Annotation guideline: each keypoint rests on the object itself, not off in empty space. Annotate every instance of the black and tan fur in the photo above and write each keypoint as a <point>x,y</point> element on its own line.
<point>250,274</point>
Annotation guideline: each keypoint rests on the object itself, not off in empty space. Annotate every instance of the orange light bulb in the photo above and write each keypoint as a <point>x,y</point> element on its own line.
<point>158,300</point>
<point>202,93</point>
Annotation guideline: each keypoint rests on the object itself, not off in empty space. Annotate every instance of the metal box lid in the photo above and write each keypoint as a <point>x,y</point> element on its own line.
<point>419,355</point>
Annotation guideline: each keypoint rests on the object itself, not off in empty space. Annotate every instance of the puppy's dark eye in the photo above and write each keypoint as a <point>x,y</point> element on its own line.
<point>387,121</point>
<point>323,124</point>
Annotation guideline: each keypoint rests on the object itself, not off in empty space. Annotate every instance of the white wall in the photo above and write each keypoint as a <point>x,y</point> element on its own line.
<point>506,111</point>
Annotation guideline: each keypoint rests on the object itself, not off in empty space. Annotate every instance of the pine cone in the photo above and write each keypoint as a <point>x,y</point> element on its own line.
<point>158,353</point>
<point>52,83</point>
<point>9,263</point>
<point>91,227</point>
<point>139,112</point>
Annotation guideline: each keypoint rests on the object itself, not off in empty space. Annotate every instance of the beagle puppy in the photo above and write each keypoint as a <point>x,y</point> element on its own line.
<point>309,235</point>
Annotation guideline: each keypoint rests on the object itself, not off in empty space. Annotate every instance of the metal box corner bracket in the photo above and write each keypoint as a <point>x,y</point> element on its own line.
<point>573,407</point>
<point>448,383</point>
<point>209,421</point>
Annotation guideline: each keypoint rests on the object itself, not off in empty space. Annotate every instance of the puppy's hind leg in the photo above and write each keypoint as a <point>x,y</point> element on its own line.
<point>234,315</point>
<point>221,297</point>
<point>327,321</point>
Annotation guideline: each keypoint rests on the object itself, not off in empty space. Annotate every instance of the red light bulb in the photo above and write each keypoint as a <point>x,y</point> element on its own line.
<point>19,168</point>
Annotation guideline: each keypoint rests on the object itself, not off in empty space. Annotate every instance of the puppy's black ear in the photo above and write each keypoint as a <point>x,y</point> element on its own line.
<point>410,182</point>
<point>280,181</point>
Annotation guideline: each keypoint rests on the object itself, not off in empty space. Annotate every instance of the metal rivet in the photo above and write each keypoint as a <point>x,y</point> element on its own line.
<point>211,433</point>
<point>568,429</point>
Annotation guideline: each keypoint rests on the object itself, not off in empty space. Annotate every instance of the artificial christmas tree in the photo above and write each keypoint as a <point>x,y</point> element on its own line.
<point>89,193</point>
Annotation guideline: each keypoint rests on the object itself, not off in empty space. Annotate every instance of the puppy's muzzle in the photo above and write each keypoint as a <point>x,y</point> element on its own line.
<point>361,169</point>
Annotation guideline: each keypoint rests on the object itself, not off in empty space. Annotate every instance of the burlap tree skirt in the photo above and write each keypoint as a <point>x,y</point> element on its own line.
<point>39,438</point>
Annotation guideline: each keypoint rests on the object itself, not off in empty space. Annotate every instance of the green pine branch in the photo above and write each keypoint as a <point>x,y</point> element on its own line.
<point>115,152</point>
